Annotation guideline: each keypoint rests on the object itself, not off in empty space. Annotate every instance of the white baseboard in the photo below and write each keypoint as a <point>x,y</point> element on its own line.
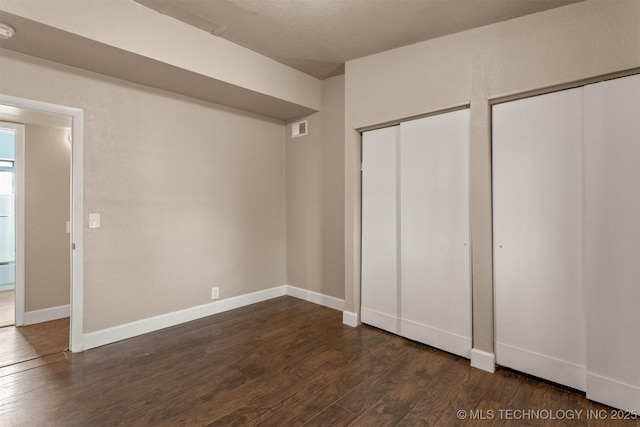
<point>144,326</point>
<point>483,360</point>
<point>542,366</point>
<point>438,338</point>
<point>7,287</point>
<point>380,320</point>
<point>350,318</point>
<point>315,297</point>
<point>129,330</point>
<point>613,393</point>
<point>46,314</point>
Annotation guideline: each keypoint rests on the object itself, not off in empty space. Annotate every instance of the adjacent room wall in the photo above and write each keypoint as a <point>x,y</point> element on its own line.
<point>555,47</point>
<point>191,194</point>
<point>47,207</point>
<point>315,197</point>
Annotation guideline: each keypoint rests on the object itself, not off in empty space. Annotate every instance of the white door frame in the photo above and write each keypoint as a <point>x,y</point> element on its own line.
<point>76,338</point>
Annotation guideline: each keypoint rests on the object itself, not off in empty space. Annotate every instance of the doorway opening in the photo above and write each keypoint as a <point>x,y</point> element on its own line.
<point>14,109</point>
<point>8,135</point>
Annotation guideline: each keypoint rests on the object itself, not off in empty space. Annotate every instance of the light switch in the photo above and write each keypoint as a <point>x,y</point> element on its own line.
<point>94,220</point>
<point>68,227</point>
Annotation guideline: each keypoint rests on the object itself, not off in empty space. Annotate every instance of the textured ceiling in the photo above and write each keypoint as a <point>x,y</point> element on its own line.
<point>319,36</point>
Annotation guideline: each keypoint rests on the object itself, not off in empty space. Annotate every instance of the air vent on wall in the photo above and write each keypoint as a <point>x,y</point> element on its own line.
<point>299,129</point>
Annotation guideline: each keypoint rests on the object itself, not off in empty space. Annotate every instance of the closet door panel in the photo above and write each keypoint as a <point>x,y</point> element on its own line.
<point>435,260</point>
<point>380,284</point>
<point>612,241</point>
<point>537,187</point>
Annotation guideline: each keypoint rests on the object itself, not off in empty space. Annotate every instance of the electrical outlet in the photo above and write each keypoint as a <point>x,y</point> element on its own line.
<point>215,293</point>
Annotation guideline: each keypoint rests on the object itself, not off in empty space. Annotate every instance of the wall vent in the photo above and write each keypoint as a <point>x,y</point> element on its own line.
<point>299,129</point>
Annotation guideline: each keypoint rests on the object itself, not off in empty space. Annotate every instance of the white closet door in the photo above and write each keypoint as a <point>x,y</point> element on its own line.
<point>537,188</point>
<point>380,274</point>
<point>435,261</point>
<point>612,241</point>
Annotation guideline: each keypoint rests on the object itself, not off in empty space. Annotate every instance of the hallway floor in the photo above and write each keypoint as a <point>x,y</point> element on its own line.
<point>7,307</point>
<point>29,343</point>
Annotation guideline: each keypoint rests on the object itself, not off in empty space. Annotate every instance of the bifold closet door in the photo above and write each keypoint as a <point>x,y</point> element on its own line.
<point>380,237</point>
<point>416,279</point>
<point>612,241</point>
<point>537,203</point>
<point>435,255</point>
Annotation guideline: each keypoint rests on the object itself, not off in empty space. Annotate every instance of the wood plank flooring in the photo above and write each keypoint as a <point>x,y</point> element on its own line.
<point>283,362</point>
<point>31,342</point>
<point>7,308</point>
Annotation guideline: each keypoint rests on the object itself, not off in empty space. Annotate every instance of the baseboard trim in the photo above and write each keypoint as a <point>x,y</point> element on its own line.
<point>350,318</point>
<point>315,297</point>
<point>613,393</point>
<point>380,320</point>
<point>7,287</point>
<point>435,337</point>
<point>542,366</point>
<point>46,314</point>
<point>144,326</point>
<point>483,360</point>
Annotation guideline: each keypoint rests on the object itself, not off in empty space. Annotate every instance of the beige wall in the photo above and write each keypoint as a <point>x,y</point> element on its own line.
<point>556,47</point>
<point>47,204</point>
<point>192,195</point>
<point>315,197</point>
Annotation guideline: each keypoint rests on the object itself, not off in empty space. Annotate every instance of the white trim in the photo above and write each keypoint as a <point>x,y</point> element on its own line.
<point>8,287</point>
<point>77,220</point>
<point>613,393</point>
<point>19,218</point>
<point>380,320</point>
<point>350,318</point>
<point>315,297</point>
<point>46,314</point>
<point>542,366</point>
<point>144,326</point>
<point>483,360</point>
<point>435,337</point>
<point>77,227</point>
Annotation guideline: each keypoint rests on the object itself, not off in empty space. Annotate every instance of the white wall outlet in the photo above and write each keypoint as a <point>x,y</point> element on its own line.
<point>215,293</point>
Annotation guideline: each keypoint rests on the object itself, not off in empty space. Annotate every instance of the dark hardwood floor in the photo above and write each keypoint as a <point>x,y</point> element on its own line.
<point>283,362</point>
